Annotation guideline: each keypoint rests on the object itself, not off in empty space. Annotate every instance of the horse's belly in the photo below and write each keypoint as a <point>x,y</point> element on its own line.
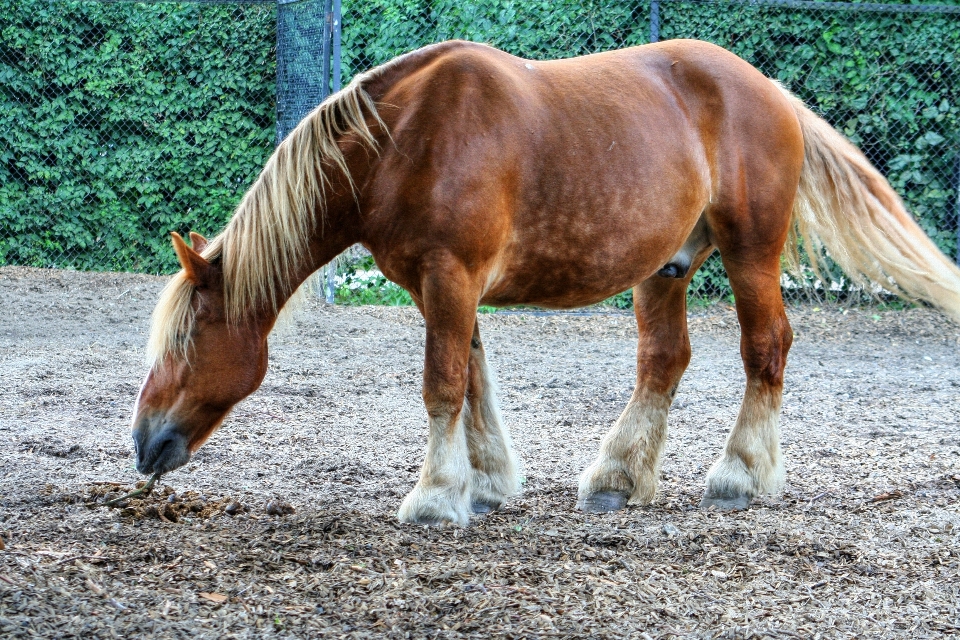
<point>566,270</point>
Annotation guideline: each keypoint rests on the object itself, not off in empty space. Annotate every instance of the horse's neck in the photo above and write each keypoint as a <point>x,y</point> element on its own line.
<point>334,232</point>
<point>273,254</point>
<point>331,238</point>
<point>302,211</point>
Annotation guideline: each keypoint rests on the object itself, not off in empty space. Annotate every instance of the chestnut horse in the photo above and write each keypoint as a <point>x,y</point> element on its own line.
<point>475,177</point>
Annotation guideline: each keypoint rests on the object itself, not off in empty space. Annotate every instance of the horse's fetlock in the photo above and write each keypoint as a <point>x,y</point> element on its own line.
<point>643,494</point>
<point>602,477</point>
<point>436,504</point>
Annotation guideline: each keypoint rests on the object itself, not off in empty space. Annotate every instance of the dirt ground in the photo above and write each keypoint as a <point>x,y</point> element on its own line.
<point>863,542</point>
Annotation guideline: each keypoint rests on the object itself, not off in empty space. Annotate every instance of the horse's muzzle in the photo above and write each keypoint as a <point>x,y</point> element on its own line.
<point>159,449</point>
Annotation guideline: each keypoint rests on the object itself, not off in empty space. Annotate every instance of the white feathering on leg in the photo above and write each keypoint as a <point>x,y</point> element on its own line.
<point>443,492</point>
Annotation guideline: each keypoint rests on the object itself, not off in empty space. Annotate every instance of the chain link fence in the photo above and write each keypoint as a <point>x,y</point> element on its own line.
<point>122,121</point>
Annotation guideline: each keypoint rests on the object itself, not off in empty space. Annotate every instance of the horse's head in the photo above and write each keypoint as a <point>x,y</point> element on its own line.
<point>189,391</point>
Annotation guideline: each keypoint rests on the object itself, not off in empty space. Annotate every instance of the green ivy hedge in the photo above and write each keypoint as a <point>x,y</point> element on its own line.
<point>377,30</point>
<point>122,121</point>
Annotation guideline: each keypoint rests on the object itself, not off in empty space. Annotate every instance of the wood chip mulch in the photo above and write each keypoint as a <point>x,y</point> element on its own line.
<point>283,525</point>
<point>786,568</point>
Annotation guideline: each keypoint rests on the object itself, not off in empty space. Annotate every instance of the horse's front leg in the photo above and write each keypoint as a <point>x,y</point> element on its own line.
<point>628,466</point>
<point>491,453</point>
<point>449,304</point>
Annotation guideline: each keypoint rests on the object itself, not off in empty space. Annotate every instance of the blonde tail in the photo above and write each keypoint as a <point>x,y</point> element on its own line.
<point>845,206</point>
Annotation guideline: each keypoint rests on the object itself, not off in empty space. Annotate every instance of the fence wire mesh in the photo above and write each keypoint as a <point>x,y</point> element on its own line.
<point>302,61</point>
<point>122,121</point>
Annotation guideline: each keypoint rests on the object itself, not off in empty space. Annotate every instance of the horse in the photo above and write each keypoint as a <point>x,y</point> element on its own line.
<point>475,177</point>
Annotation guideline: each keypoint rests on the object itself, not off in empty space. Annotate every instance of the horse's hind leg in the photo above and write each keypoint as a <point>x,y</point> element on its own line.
<point>628,466</point>
<point>752,464</point>
<point>493,463</point>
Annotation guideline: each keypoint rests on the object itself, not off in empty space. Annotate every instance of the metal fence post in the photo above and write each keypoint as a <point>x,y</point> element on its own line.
<point>280,107</point>
<point>337,15</point>
<point>956,185</point>
<point>325,59</point>
<point>654,20</point>
<point>331,58</point>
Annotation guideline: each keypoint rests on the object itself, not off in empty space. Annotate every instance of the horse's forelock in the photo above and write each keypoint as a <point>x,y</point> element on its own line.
<point>172,321</point>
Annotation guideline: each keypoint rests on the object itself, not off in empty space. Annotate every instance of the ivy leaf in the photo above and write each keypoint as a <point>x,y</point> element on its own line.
<point>832,46</point>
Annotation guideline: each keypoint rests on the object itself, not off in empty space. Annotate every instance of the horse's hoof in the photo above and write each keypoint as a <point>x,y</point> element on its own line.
<point>603,501</point>
<point>431,523</point>
<point>722,503</point>
<point>435,506</point>
<point>482,507</point>
<point>426,521</point>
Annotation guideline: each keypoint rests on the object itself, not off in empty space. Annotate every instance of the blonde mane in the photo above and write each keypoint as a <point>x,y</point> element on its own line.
<point>268,237</point>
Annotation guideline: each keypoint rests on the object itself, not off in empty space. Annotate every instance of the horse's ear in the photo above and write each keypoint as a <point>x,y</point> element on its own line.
<point>198,242</point>
<point>194,266</point>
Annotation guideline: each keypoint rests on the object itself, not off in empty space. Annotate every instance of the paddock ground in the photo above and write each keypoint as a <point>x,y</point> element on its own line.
<point>863,542</point>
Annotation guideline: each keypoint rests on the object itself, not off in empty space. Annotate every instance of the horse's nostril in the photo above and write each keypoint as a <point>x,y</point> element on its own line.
<point>160,449</point>
<point>139,448</point>
<point>163,444</point>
